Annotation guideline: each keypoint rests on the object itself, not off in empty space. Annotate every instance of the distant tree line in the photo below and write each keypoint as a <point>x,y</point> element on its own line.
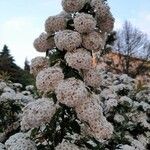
<point>11,71</point>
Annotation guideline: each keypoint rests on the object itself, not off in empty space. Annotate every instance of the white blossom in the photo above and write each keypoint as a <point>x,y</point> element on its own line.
<point>79,59</point>
<point>125,147</point>
<point>38,64</point>
<point>92,77</point>
<point>37,113</point>
<point>71,92</point>
<point>73,5</point>
<point>48,79</point>
<point>20,141</point>
<point>119,118</point>
<point>93,41</point>
<point>44,42</point>
<point>84,23</point>
<point>67,40</point>
<point>55,23</point>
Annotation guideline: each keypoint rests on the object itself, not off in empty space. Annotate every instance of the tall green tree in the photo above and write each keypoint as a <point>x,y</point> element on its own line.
<point>7,65</point>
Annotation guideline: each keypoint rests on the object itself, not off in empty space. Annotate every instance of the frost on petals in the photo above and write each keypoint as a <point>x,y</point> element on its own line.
<point>37,113</point>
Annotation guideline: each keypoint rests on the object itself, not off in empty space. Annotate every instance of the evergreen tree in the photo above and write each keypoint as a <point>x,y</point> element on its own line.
<point>26,65</point>
<point>7,65</point>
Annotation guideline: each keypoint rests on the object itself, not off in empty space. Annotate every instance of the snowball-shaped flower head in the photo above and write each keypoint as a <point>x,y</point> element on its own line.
<point>107,25</point>
<point>43,43</point>
<point>79,59</point>
<point>73,5</point>
<point>67,40</point>
<point>20,141</point>
<point>84,23</point>
<point>37,113</point>
<point>100,129</point>
<point>101,9</point>
<point>48,79</point>
<point>38,64</point>
<point>67,146</point>
<point>71,92</point>
<point>93,41</point>
<point>55,23</point>
<point>90,110</point>
<point>92,78</point>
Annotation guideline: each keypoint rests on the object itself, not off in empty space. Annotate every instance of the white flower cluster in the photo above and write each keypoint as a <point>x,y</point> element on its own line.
<point>93,41</point>
<point>105,20</point>
<point>92,113</point>
<point>84,23</point>
<point>92,78</point>
<point>38,64</point>
<point>101,9</point>
<point>10,93</point>
<point>107,25</point>
<point>48,79</point>
<point>20,141</point>
<point>55,23</point>
<point>71,6</point>
<point>67,40</point>
<point>44,42</point>
<point>37,113</point>
<point>67,146</point>
<point>71,92</point>
<point>2,146</point>
<point>90,110</point>
<point>79,59</point>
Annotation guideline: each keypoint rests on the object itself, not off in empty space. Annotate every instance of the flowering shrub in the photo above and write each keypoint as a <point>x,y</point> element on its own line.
<point>81,106</point>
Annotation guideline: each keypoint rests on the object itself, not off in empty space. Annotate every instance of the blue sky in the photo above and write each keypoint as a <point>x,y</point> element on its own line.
<point>22,21</point>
